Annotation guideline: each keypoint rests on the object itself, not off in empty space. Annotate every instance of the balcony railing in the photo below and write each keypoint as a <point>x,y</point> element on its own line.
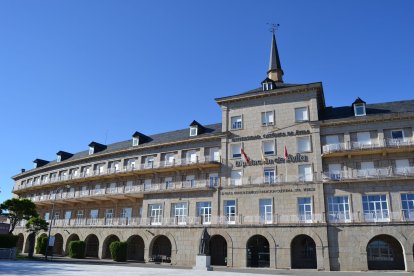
<point>122,170</point>
<point>277,179</point>
<point>153,187</point>
<point>373,144</point>
<point>379,173</point>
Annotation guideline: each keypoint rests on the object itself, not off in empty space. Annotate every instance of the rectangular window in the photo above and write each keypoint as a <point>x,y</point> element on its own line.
<point>305,172</point>
<point>169,184</point>
<point>193,131</point>
<point>269,176</point>
<point>109,215</point>
<point>236,178</point>
<point>364,138</point>
<point>305,209</point>
<point>149,162</point>
<point>304,144</point>
<point>407,201</point>
<point>135,141</point>
<point>397,134</point>
<point>190,181</point>
<point>301,114</point>
<point>268,118</point>
<point>191,156</point>
<point>179,213</point>
<point>126,216</point>
<point>147,184</point>
<point>68,216</point>
<point>266,211</point>
<point>359,109</point>
<point>91,150</point>
<point>79,217</point>
<point>338,207</point>
<point>375,208</point>
<point>155,214</point>
<point>47,216</point>
<point>269,147</point>
<point>335,171</point>
<point>214,179</point>
<point>204,212</point>
<point>236,150</point>
<point>230,211</point>
<point>402,166</point>
<point>112,188</point>
<point>236,122</point>
<point>128,186</point>
<point>169,159</point>
<point>215,154</point>
<point>93,217</point>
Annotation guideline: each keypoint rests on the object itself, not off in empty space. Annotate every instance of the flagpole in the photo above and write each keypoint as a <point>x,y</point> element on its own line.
<point>285,171</point>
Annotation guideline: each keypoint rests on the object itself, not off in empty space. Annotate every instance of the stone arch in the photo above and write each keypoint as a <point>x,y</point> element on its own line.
<point>27,243</point>
<point>303,252</point>
<point>20,243</point>
<point>257,251</point>
<point>229,241</point>
<point>72,237</point>
<point>106,252</point>
<point>162,249</point>
<point>135,248</point>
<point>58,245</point>
<point>384,252</point>
<point>92,246</point>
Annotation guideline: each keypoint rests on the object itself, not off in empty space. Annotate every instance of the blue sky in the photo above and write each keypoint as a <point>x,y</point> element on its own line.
<point>76,71</point>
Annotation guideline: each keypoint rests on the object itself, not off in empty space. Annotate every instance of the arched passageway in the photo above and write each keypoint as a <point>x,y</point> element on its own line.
<point>91,246</point>
<point>160,250</point>
<point>218,250</point>
<point>135,248</point>
<point>58,245</point>
<point>20,243</point>
<point>72,237</point>
<point>303,252</point>
<point>384,252</point>
<point>257,252</point>
<point>106,252</point>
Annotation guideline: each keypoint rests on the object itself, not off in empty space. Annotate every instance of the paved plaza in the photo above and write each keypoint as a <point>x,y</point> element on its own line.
<point>28,268</point>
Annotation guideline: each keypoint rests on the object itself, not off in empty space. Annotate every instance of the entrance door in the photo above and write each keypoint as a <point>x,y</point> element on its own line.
<point>258,254</point>
<point>218,250</point>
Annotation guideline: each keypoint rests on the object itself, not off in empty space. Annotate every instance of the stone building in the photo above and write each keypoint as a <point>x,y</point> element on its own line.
<point>284,181</point>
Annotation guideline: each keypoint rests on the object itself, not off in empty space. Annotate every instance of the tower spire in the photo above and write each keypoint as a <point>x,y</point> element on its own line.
<point>275,71</point>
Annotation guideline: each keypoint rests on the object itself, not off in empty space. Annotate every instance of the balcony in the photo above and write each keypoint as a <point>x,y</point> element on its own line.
<point>151,167</point>
<point>374,146</point>
<point>277,179</point>
<point>136,191</point>
<point>369,174</point>
<point>370,217</point>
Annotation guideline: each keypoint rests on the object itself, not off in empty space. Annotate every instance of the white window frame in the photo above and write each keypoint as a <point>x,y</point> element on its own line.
<point>93,216</point>
<point>230,211</point>
<point>305,209</point>
<point>269,142</point>
<point>135,141</point>
<point>375,211</point>
<point>269,175</point>
<point>303,176</point>
<point>236,154</point>
<point>168,181</point>
<point>213,179</point>
<point>91,150</point>
<point>268,118</point>
<point>126,216</point>
<point>302,111</point>
<point>236,181</point>
<point>155,213</point>
<point>356,108</point>
<point>339,209</point>
<point>193,131</point>
<point>300,141</point>
<point>266,210</point>
<point>179,213</point>
<point>236,122</point>
<point>215,154</point>
<point>204,211</point>
<point>109,216</point>
<point>398,130</point>
<point>408,210</point>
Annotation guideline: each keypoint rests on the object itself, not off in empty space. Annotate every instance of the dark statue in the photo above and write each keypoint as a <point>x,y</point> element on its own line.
<point>204,243</point>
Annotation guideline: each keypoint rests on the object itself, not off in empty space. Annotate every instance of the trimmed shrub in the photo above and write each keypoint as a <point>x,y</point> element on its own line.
<point>41,243</point>
<point>8,241</point>
<point>118,251</point>
<point>77,249</point>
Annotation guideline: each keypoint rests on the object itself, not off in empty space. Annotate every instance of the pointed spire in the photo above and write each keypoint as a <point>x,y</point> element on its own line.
<point>275,72</point>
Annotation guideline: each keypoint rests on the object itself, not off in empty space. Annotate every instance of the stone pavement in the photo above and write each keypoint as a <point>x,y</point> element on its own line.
<point>91,267</point>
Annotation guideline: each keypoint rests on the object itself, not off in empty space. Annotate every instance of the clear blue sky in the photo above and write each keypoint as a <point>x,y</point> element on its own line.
<point>76,71</point>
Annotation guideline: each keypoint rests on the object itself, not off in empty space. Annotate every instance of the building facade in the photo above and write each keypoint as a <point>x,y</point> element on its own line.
<point>284,181</point>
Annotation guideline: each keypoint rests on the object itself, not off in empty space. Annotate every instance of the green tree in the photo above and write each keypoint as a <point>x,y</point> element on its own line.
<point>34,226</point>
<point>17,209</point>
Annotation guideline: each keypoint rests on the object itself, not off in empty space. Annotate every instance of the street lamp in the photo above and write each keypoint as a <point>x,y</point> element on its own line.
<point>52,217</point>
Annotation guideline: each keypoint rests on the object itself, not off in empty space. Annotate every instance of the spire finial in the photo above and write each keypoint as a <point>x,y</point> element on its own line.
<point>275,71</point>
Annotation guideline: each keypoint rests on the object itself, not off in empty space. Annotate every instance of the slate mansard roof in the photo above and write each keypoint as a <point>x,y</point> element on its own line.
<point>347,112</point>
<point>176,136</point>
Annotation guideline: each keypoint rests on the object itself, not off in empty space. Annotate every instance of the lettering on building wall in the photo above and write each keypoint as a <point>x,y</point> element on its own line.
<point>278,160</point>
<point>271,135</point>
<point>278,191</point>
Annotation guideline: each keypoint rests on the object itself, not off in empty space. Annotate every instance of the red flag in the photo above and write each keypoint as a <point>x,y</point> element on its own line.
<point>286,155</point>
<point>245,157</point>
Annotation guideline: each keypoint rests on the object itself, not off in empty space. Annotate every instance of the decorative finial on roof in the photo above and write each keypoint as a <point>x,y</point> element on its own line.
<point>275,71</point>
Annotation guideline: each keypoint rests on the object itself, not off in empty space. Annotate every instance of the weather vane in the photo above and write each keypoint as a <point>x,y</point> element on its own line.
<point>273,27</point>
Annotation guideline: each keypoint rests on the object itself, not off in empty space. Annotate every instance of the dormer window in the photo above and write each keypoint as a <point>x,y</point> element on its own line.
<point>193,130</point>
<point>58,158</point>
<point>91,150</point>
<point>268,84</point>
<point>359,107</point>
<point>135,141</point>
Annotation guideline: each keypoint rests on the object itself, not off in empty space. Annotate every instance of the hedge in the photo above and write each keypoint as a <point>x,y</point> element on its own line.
<point>77,249</point>
<point>41,243</point>
<point>118,251</point>
<point>8,241</point>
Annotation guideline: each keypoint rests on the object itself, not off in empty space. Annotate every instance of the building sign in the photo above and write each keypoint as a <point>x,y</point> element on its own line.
<point>271,135</point>
<point>277,191</point>
<point>278,160</point>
